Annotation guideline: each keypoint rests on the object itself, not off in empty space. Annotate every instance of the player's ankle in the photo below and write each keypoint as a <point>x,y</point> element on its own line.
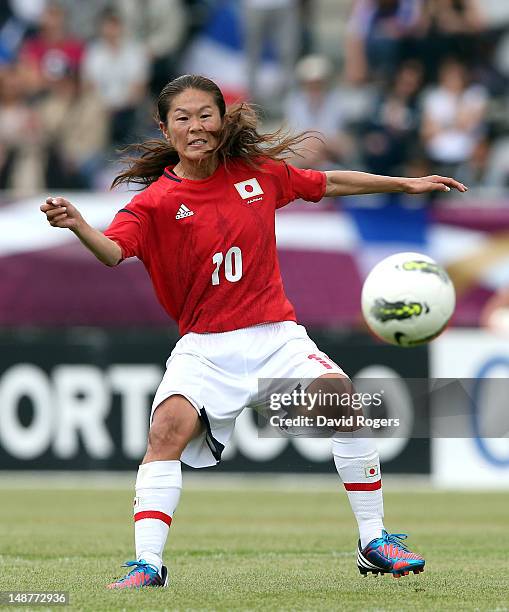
<point>152,558</point>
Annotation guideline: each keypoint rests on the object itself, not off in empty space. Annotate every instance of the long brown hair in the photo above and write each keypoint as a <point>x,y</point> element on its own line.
<point>238,138</point>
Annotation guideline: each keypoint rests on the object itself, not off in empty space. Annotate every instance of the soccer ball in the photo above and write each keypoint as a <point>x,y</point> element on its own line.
<point>407,299</point>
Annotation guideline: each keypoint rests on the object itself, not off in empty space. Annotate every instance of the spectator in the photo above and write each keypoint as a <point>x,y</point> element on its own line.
<point>454,115</point>
<point>117,68</point>
<point>275,21</point>
<point>19,153</point>
<point>393,129</point>
<point>315,104</point>
<point>490,166</point>
<point>74,132</point>
<point>83,15</point>
<point>28,11</point>
<point>377,32</point>
<point>47,56</point>
<point>160,25</point>
<point>16,18</point>
<point>450,28</point>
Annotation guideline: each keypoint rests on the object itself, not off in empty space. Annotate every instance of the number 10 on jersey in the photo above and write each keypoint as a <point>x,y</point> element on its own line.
<point>232,265</point>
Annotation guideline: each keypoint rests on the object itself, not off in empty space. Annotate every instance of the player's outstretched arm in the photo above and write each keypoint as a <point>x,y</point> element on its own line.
<point>61,213</point>
<point>344,182</point>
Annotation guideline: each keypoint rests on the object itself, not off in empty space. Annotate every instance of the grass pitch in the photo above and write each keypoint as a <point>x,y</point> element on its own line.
<point>257,549</point>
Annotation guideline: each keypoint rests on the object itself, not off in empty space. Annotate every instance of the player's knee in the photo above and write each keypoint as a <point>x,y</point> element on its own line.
<point>331,386</point>
<point>174,424</point>
<point>332,396</point>
<point>162,439</point>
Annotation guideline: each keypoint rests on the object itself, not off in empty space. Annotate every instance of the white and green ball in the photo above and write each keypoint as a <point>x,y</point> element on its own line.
<point>407,299</point>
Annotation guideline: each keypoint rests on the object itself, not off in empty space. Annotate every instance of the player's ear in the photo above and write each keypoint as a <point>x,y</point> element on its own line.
<point>164,130</point>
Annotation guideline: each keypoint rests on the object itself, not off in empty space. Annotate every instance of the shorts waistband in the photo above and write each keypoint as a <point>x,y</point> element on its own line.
<point>269,326</point>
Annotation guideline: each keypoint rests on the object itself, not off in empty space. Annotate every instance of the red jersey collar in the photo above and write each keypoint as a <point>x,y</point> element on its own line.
<point>169,174</point>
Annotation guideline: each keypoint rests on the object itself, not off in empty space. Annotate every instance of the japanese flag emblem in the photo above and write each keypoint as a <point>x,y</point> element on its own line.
<point>249,189</point>
<point>371,470</point>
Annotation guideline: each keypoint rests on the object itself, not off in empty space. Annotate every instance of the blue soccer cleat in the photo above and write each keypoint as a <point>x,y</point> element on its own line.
<point>143,574</point>
<point>388,555</point>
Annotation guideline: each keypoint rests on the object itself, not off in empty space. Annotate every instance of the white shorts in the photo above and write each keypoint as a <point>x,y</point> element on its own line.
<point>218,373</point>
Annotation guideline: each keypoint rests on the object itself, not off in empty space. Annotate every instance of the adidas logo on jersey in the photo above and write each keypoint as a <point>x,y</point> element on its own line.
<point>183,212</point>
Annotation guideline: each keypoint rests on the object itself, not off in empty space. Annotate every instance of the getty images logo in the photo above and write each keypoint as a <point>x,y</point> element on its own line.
<point>249,190</point>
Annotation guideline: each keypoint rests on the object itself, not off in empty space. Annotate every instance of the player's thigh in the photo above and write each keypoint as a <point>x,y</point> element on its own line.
<point>335,398</point>
<point>210,388</point>
<point>216,396</point>
<point>300,364</point>
<point>297,356</point>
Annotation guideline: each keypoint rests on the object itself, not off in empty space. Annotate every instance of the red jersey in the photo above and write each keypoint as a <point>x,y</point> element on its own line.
<point>53,59</point>
<point>209,245</point>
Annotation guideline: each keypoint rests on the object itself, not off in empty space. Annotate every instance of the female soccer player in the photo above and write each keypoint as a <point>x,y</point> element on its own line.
<point>204,229</point>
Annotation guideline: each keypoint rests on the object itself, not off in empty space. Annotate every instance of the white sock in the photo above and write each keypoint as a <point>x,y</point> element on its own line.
<point>158,488</point>
<point>358,466</point>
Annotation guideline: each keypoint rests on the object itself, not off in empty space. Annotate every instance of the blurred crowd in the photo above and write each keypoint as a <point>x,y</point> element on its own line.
<point>74,79</point>
<point>422,89</point>
<point>417,86</point>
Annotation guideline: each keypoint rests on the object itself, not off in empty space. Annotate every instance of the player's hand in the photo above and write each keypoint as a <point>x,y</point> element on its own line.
<point>427,184</point>
<point>61,213</point>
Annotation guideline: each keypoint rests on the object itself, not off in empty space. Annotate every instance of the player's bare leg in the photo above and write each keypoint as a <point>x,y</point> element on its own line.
<point>175,423</point>
<point>158,488</point>
<point>358,465</point>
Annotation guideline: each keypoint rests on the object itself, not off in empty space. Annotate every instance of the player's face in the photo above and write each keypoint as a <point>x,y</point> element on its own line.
<point>193,123</point>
